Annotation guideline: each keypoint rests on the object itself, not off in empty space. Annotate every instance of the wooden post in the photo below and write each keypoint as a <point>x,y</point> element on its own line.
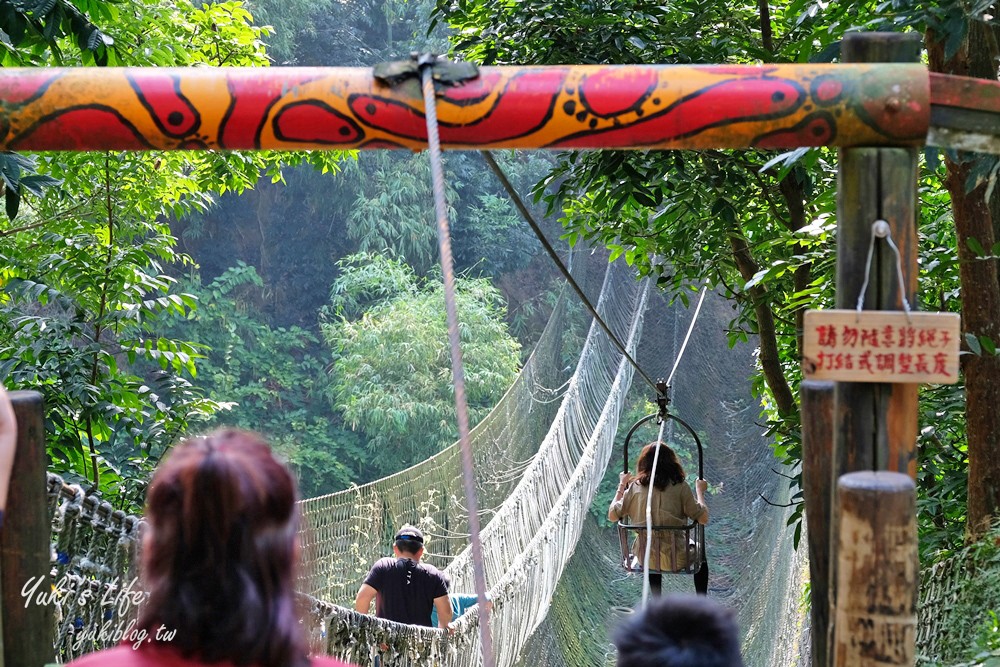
<point>25,543</point>
<point>875,424</point>
<point>817,460</point>
<point>877,570</point>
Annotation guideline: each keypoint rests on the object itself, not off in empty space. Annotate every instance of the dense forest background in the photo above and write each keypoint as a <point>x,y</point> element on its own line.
<point>264,291</point>
<point>150,296</point>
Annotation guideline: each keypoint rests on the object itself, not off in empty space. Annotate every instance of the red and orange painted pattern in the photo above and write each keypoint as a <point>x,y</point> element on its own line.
<point>770,106</point>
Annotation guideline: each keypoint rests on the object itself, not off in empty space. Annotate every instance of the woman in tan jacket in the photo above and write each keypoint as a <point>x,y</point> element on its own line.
<point>673,504</point>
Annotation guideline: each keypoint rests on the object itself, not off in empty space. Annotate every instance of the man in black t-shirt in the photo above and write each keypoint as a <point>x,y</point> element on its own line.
<point>405,589</point>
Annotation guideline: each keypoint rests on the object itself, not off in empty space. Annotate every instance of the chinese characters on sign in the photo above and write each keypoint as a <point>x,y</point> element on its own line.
<point>881,346</point>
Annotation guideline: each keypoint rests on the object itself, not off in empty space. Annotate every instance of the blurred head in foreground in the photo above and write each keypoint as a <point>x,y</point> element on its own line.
<point>679,631</point>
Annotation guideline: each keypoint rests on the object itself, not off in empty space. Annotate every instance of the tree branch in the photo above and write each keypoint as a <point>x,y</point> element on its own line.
<point>766,34</point>
<point>761,495</point>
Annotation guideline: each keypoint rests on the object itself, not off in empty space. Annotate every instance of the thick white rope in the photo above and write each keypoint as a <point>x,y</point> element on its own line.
<point>649,515</point>
<point>687,337</point>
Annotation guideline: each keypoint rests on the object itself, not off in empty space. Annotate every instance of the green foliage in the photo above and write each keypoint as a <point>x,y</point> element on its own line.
<point>943,444</point>
<point>972,608</point>
<point>346,33</point>
<point>18,176</point>
<point>392,368</point>
<point>85,284</point>
<point>83,293</point>
<point>364,284</point>
<point>394,210</point>
<point>290,21</point>
<point>37,32</point>
<point>272,380</point>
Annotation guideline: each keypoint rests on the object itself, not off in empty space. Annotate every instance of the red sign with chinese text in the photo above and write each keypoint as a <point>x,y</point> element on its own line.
<point>881,346</point>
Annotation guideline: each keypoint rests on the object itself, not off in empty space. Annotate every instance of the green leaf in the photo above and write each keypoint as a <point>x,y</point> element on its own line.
<point>10,172</point>
<point>787,161</point>
<point>975,246</point>
<point>12,201</point>
<point>35,182</point>
<point>973,343</point>
<point>988,345</point>
<point>955,28</point>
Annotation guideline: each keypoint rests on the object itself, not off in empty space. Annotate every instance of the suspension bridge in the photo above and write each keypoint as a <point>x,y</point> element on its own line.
<point>536,495</point>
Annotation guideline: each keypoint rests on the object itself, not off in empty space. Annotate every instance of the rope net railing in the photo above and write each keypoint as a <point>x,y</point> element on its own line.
<point>532,535</point>
<point>940,589</point>
<point>343,530</point>
<point>958,607</point>
<point>94,577</point>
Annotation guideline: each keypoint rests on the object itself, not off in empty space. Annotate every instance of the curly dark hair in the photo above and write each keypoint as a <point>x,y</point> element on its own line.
<point>668,467</point>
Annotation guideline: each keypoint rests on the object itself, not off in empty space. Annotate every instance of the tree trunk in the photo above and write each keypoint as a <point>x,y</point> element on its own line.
<point>770,360</point>
<point>975,218</point>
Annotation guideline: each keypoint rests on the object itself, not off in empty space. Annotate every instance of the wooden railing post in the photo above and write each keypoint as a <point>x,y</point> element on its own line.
<point>877,571</point>
<point>25,544</point>
<point>817,490</point>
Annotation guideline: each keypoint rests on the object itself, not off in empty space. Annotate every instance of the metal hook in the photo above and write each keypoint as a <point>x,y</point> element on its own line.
<point>662,400</point>
<point>881,229</point>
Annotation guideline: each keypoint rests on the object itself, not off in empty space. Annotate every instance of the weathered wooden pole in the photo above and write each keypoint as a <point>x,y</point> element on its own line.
<point>877,570</point>
<point>875,424</point>
<point>25,544</point>
<point>817,461</point>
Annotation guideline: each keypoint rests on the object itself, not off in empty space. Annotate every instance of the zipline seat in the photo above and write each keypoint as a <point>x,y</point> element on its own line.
<point>685,554</point>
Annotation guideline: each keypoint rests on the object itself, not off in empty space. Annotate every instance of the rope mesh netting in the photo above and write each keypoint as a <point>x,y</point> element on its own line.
<point>753,567</point>
<point>94,573</point>
<point>533,533</point>
<point>939,589</point>
<point>959,603</point>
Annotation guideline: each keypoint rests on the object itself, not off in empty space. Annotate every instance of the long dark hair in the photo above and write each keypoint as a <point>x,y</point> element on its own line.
<point>668,468</point>
<point>219,558</point>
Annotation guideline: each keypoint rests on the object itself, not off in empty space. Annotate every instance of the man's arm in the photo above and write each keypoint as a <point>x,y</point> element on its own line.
<point>363,601</point>
<point>443,607</point>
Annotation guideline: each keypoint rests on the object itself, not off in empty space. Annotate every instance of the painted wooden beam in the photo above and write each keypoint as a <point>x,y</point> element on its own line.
<point>965,113</point>
<point>561,107</point>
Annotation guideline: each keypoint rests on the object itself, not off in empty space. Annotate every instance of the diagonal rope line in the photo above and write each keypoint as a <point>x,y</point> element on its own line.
<point>687,337</point>
<point>559,263</point>
<point>461,406</point>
